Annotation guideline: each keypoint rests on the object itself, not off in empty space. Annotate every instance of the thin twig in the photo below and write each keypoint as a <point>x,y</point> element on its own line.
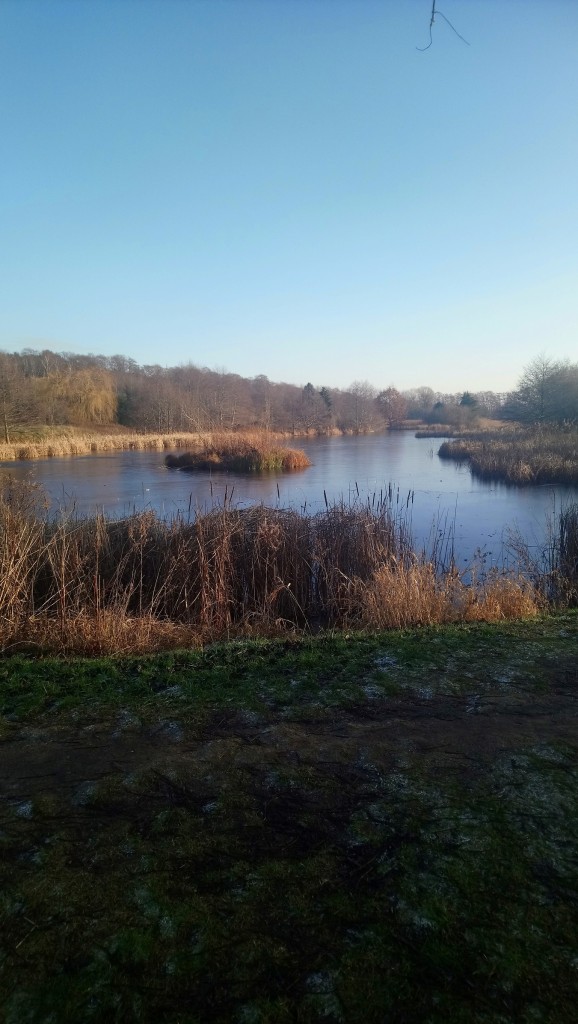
<point>452,27</point>
<point>422,49</point>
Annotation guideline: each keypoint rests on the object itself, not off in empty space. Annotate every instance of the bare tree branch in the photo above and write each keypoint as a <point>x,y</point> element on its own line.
<point>422,49</point>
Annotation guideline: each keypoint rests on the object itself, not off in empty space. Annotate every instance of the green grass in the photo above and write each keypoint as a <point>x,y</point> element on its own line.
<point>257,673</point>
<point>329,838</point>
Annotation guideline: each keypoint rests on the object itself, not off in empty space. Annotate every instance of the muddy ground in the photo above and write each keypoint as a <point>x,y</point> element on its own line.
<point>404,849</point>
<point>459,734</point>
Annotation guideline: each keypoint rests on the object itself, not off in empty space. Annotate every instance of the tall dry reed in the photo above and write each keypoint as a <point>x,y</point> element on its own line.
<point>568,558</point>
<point>141,583</point>
<point>59,444</point>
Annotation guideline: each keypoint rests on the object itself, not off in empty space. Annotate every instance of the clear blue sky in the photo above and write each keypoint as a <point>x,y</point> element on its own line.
<point>289,187</point>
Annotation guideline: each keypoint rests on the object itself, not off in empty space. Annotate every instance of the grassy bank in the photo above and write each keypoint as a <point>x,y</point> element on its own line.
<point>537,456</point>
<point>96,585</point>
<point>240,453</point>
<point>357,829</point>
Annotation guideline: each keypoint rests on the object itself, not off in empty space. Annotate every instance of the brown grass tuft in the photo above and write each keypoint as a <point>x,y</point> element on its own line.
<point>400,596</point>
<point>502,597</point>
<point>109,633</point>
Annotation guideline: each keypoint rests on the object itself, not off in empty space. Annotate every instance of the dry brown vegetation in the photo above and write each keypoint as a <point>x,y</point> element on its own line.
<point>241,453</point>
<point>142,583</point>
<point>523,456</point>
<point>394,599</point>
<point>568,552</point>
<point>71,442</point>
<point>484,426</point>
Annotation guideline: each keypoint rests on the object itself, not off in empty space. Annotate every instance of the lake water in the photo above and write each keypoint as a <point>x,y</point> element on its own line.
<point>446,497</point>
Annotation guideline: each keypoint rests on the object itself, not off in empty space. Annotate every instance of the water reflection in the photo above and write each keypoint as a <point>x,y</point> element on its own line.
<point>443,495</point>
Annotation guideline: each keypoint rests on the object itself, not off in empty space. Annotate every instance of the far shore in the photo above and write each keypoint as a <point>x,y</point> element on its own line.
<point>45,444</point>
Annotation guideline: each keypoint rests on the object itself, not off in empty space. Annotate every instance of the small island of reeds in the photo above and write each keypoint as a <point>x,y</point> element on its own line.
<point>240,453</point>
<point>538,455</point>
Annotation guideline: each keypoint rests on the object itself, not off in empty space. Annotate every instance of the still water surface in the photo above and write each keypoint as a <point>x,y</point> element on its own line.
<point>446,497</point>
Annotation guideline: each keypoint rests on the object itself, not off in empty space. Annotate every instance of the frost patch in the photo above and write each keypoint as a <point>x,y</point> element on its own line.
<point>385,661</point>
<point>125,720</point>
<point>508,676</point>
<point>84,794</point>
<point>547,753</point>
<point>372,692</point>
<point>474,705</point>
<point>24,809</point>
<point>170,731</point>
<point>171,691</point>
<point>321,981</point>
<point>249,1014</point>
<point>425,692</point>
<point>250,718</point>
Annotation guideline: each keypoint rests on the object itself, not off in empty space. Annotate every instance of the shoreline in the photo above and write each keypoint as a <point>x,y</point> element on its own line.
<point>88,444</point>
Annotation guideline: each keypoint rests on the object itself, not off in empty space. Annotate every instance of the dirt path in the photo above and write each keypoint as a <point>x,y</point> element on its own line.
<point>463,734</point>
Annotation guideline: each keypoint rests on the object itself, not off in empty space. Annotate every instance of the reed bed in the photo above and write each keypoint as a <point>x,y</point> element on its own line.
<point>568,553</point>
<point>522,457</point>
<point>142,583</point>
<point>240,453</point>
<point>68,443</point>
<point>485,426</point>
<point>437,432</point>
<point>87,444</point>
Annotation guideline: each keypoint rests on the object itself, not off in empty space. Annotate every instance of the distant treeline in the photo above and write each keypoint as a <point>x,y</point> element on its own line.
<point>57,389</point>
